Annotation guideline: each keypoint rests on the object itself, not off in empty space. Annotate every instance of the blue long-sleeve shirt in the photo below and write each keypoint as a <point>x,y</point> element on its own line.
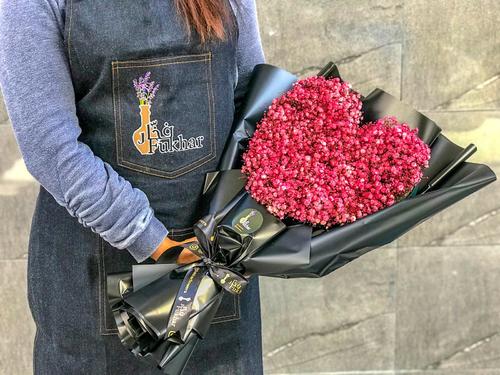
<point>33,71</point>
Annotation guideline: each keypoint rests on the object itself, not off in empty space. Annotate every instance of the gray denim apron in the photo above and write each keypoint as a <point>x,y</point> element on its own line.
<point>163,144</point>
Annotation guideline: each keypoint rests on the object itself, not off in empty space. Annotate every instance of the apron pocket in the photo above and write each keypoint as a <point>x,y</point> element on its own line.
<point>113,260</point>
<point>164,113</point>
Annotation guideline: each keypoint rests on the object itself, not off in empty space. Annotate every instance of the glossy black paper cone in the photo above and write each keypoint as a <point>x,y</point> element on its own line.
<point>141,315</point>
<point>267,82</point>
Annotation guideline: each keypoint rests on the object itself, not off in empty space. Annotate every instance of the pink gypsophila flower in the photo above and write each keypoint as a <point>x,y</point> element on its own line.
<point>309,158</point>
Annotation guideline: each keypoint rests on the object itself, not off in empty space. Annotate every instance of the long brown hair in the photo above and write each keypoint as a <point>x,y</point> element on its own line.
<point>211,19</point>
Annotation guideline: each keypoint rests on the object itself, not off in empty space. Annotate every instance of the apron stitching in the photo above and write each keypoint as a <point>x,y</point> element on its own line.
<point>102,309</point>
<point>151,170</point>
<point>119,112</point>
<point>130,63</point>
<point>100,291</point>
<point>162,64</point>
<point>117,129</point>
<point>180,232</point>
<point>211,106</point>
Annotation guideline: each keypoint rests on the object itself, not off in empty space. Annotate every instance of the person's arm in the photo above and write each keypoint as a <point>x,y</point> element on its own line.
<point>38,92</point>
<point>249,50</point>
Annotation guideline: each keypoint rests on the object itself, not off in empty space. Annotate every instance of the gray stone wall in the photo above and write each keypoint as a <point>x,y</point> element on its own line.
<point>427,305</point>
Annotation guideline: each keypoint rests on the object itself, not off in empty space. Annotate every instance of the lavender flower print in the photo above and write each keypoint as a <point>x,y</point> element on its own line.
<point>145,89</point>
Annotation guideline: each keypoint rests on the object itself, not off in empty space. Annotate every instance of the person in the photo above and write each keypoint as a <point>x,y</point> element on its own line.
<point>119,108</point>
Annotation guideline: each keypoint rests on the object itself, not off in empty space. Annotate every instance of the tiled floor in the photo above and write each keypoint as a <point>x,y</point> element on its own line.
<point>428,304</point>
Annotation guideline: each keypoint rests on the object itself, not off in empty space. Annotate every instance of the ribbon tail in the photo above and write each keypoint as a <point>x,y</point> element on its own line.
<point>181,310</point>
<point>229,280</point>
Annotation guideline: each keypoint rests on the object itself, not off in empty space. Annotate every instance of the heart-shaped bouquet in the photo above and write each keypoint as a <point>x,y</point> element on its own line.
<point>325,179</point>
<point>310,159</point>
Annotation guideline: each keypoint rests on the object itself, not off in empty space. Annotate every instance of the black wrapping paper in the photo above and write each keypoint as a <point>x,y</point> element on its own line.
<point>266,83</point>
<point>238,238</point>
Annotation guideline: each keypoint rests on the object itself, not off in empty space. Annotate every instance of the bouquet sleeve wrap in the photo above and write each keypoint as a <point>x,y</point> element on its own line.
<point>238,238</point>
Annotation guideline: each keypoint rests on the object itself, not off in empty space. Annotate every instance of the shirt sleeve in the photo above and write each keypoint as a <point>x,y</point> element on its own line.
<point>249,50</point>
<point>39,96</point>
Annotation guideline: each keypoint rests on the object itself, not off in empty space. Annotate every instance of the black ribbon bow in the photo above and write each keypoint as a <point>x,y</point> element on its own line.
<point>226,277</point>
<point>206,249</point>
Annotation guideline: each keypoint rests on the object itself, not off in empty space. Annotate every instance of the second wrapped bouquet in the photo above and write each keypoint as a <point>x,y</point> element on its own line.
<point>313,176</point>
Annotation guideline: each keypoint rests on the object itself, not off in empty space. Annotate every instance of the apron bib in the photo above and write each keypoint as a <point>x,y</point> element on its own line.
<point>158,108</point>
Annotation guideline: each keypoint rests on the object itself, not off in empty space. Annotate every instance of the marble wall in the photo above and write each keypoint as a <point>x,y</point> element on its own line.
<point>426,305</point>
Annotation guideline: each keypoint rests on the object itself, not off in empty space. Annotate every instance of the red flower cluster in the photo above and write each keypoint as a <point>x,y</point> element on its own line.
<point>310,159</point>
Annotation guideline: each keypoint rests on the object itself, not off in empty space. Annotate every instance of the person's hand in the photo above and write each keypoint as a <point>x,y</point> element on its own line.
<point>184,257</point>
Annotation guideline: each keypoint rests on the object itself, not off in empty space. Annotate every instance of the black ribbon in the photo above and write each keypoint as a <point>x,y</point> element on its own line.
<point>227,278</point>
<point>183,305</point>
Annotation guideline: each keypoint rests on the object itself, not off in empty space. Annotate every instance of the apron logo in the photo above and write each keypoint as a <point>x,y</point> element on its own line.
<point>148,138</point>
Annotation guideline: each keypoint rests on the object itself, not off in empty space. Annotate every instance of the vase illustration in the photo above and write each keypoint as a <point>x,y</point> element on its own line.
<point>145,138</point>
